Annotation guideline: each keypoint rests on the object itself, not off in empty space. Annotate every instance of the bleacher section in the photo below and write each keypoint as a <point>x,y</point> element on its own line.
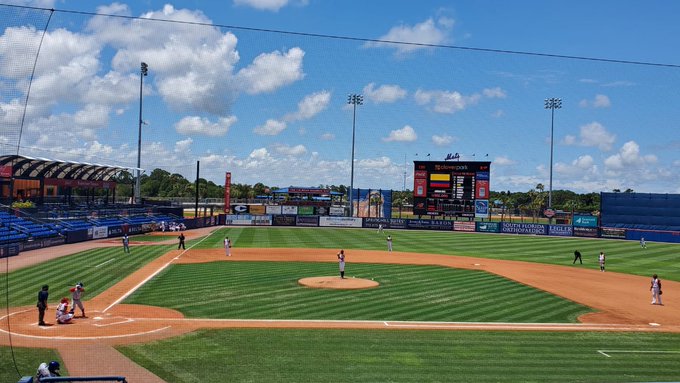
<point>14,229</point>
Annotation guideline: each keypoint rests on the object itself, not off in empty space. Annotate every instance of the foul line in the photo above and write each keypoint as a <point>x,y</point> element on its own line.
<point>87,337</point>
<point>102,264</point>
<point>607,352</point>
<point>140,284</point>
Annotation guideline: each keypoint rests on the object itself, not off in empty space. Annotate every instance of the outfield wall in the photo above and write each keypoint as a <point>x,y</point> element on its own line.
<point>584,226</point>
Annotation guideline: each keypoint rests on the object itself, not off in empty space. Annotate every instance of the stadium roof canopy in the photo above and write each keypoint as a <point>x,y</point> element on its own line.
<point>29,167</point>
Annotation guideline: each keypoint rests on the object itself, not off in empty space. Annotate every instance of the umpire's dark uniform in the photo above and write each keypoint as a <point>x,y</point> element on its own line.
<point>577,255</point>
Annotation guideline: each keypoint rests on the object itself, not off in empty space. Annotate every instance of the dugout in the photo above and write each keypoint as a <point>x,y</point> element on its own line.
<point>651,215</point>
<point>42,180</point>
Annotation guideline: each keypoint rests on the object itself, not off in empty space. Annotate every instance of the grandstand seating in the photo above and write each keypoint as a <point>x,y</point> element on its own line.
<point>18,229</point>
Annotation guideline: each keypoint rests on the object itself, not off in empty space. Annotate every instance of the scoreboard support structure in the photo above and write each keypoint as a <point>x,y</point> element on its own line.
<point>453,189</point>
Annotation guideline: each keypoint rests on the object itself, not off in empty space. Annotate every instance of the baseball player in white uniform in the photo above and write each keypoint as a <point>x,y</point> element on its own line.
<point>341,263</point>
<point>227,246</point>
<point>389,242</point>
<point>601,258</point>
<point>76,295</point>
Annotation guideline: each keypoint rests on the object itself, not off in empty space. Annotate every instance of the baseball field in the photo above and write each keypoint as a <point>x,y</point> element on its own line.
<point>449,307</point>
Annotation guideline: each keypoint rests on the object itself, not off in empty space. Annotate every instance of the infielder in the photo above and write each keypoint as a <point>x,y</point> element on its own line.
<point>389,242</point>
<point>341,263</point>
<point>655,288</point>
<point>76,295</point>
<point>227,246</point>
<point>601,259</point>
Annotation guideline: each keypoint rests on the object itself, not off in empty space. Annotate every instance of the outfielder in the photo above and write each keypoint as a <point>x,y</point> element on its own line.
<point>341,263</point>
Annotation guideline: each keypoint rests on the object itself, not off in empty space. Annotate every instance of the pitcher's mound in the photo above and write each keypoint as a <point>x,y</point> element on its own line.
<point>338,283</point>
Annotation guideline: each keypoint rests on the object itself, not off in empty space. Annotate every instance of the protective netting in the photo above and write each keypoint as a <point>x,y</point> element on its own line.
<point>272,106</point>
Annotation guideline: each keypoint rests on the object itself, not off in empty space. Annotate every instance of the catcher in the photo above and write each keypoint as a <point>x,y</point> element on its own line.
<point>63,314</point>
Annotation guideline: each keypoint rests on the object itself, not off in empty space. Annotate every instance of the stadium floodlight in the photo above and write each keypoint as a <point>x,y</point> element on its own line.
<point>354,99</point>
<point>144,71</point>
<point>552,104</point>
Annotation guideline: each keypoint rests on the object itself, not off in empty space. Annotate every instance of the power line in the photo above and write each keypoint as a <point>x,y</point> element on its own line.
<point>364,39</point>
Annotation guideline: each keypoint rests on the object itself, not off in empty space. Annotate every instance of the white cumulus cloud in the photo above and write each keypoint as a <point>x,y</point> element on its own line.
<point>286,150</point>
<point>419,35</point>
<point>592,134</point>
<point>443,140</point>
<point>405,134</point>
<point>263,5</point>
<point>310,106</point>
<point>384,93</point>
<point>270,128</point>
<point>270,71</point>
<point>600,101</point>
<point>203,126</point>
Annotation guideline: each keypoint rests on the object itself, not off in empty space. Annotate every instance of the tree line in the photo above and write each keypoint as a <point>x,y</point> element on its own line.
<point>163,184</point>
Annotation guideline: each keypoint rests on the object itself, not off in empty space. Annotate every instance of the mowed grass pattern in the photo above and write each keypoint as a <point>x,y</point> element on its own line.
<point>622,256</point>
<point>269,290</point>
<point>261,355</point>
<point>98,269</point>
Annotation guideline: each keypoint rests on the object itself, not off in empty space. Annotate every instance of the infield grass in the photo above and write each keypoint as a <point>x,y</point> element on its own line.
<point>270,355</point>
<point>269,290</point>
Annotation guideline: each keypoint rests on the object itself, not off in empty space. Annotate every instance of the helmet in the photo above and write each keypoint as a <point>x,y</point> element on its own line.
<point>53,366</point>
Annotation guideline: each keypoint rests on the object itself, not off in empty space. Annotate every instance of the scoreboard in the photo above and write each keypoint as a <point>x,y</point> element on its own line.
<point>446,188</point>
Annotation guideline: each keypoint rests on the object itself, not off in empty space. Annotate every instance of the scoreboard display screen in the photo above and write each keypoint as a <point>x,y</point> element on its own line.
<point>445,188</point>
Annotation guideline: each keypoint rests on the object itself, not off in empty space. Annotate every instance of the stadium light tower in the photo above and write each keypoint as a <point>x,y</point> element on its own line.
<point>552,104</point>
<point>354,99</point>
<point>144,70</point>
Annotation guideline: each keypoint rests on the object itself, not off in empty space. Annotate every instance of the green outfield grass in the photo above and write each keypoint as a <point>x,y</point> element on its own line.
<point>622,256</point>
<point>28,360</point>
<point>257,355</point>
<point>269,290</point>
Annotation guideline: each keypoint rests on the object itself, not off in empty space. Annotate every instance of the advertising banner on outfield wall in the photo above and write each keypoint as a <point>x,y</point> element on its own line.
<point>430,224</point>
<point>373,223</point>
<point>9,250</point>
<point>257,209</point>
<point>307,220</point>
<point>585,221</point>
<point>560,230</point>
<point>115,231</point>
<point>289,210</point>
<point>339,222</point>
<point>586,232</point>
<point>305,210</point>
<point>335,211</point>
<point>523,228</point>
<point>273,209</point>
<point>99,232</point>
<point>398,223</point>
<point>488,227</point>
<point>31,245</point>
<point>613,232</point>
<point>283,220</point>
<point>240,209</point>
<point>464,226</point>
<point>248,220</point>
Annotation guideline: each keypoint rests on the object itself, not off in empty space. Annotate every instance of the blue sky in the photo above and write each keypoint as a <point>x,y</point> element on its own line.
<point>271,107</point>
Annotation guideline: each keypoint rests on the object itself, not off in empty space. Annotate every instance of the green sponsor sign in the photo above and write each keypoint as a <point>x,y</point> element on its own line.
<point>585,221</point>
